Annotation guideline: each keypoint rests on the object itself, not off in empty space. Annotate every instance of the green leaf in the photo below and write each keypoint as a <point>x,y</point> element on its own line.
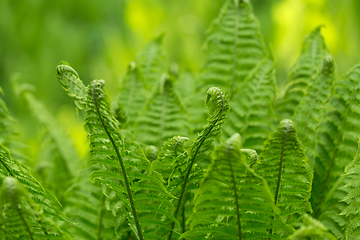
<point>283,165</point>
<point>233,202</point>
<point>71,83</point>
<point>337,136</point>
<point>251,112</point>
<point>301,74</point>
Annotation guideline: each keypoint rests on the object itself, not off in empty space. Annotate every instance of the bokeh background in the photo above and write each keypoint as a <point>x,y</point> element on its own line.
<point>100,38</point>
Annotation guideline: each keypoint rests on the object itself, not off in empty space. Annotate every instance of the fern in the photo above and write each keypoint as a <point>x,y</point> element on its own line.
<point>301,75</point>
<point>126,172</point>
<point>87,210</point>
<point>151,61</point>
<point>283,165</point>
<point>199,151</point>
<point>21,217</point>
<point>71,83</point>
<point>335,214</point>
<point>310,112</point>
<point>336,136</point>
<point>131,97</point>
<point>251,108</point>
<point>162,116</point>
<point>233,202</point>
<point>312,229</point>
<point>236,46</point>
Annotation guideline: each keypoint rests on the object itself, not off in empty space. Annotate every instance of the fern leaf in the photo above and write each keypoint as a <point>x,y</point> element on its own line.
<point>337,136</point>
<point>162,116</point>
<point>310,112</point>
<point>312,229</point>
<point>91,220</point>
<point>335,212</point>
<point>63,144</point>
<point>200,149</point>
<point>21,217</point>
<point>251,112</point>
<point>151,61</point>
<point>132,95</point>
<point>127,173</point>
<point>6,130</point>
<point>236,46</point>
<point>233,202</point>
<point>252,156</point>
<point>71,83</point>
<point>301,75</point>
<point>283,165</point>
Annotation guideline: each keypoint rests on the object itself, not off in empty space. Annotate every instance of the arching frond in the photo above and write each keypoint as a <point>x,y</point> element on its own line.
<point>233,202</point>
<point>310,112</point>
<point>163,117</point>
<point>200,149</point>
<point>301,75</point>
<point>151,61</point>
<point>251,112</point>
<point>235,47</point>
<point>283,165</point>
<point>312,229</point>
<point>252,156</point>
<point>10,167</point>
<point>71,83</point>
<point>337,136</point>
<point>122,167</point>
<point>22,217</point>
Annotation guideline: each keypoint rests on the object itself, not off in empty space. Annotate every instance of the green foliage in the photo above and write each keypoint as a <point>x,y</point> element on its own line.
<point>337,136</point>
<point>251,108</point>
<point>233,202</point>
<point>283,165</point>
<point>301,75</point>
<point>146,179</point>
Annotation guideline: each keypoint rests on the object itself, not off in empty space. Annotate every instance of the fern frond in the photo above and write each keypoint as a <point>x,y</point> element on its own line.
<point>283,165</point>
<point>335,212</point>
<point>6,129</point>
<point>68,153</point>
<point>309,114</point>
<point>21,217</point>
<point>87,210</point>
<point>301,74</point>
<point>236,46</point>
<point>312,229</point>
<point>123,168</point>
<point>163,117</point>
<point>132,95</point>
<point>200,149</point>
<point>151,61</point>
<point>233,202</point>
<point>252,156</point>
<point>337,136</point>
<point>251,112</point>
<point>71,83</point>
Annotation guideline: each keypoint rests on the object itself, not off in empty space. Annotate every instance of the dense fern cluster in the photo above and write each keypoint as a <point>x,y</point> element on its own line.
<point>265,165</point>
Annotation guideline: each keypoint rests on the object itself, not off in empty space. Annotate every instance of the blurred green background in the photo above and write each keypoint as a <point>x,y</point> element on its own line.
<point>100,38</point>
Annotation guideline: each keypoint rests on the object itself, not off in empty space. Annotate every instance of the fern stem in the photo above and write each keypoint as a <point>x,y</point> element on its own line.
<point>188,171</point>
<point>235,193</point>
<point>281,165</point>
<point>16,206</point>
<point>127,184</point>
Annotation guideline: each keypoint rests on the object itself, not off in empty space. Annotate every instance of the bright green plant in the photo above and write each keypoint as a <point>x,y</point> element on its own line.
<point>157,170</point>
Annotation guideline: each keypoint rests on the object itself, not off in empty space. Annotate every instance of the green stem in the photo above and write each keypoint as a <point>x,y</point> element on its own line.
<point>127,184</point>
